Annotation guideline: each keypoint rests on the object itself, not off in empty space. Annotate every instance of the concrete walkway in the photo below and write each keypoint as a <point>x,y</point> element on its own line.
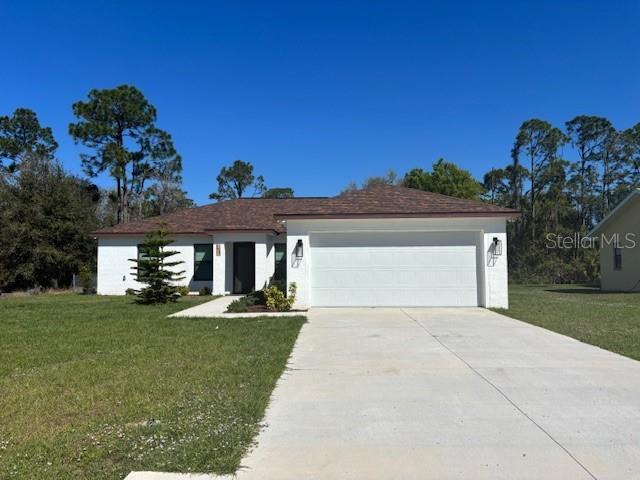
<point>448,394</point>
<point>218,307</point>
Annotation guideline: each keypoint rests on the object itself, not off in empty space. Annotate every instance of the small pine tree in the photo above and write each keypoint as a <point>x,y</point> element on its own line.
<point>153,270</point>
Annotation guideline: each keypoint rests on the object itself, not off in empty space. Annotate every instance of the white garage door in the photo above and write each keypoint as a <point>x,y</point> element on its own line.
<point>394,269</point>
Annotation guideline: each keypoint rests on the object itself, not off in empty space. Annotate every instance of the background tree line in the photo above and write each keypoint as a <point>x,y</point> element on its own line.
<point>47,213</point>
<point>563,181</point>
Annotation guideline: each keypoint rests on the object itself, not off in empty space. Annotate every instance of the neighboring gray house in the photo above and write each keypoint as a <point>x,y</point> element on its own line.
<point>380,246</point>
<point>619,238</point>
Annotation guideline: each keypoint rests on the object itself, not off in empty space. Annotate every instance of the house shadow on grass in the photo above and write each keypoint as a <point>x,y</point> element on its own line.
<point>585,290</point>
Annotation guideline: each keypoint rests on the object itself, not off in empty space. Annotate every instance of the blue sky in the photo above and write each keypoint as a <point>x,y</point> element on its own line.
<point>316,94</point>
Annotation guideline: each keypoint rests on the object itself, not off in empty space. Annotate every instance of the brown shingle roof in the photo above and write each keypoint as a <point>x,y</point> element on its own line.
<point>387,200</point>
<point>262,214</point>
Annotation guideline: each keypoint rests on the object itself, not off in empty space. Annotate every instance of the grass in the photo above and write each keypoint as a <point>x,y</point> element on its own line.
<point>608,320</point>
<point>94,387</point>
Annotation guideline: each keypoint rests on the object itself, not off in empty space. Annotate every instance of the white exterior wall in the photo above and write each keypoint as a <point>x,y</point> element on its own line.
<point>496,283</point>
<point>299,271</point>
<point>115,274</point>
<point>626,226</point>
<point>492,270</point>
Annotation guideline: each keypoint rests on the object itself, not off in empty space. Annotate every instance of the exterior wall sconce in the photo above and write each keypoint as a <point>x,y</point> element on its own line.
<point>298,250</point>
<point>497,246</point>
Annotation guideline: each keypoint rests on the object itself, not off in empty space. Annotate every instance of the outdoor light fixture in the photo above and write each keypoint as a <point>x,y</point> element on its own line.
<point>497,246</point>
<point>299,249</point>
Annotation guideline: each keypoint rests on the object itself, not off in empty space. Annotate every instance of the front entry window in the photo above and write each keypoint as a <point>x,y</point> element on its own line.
<point>280,272</point>
<point>203,262</point>
<point>617,258</point>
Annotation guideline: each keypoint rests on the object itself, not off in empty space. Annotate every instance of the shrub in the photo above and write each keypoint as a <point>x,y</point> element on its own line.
<point>86,279</point>
<point>237,306</point>
<point>276,299</point>
<point>130,291</point>
<point>183,290</point>
<point>204,292</point>
<point>255,298</point>
<point>242,304</point>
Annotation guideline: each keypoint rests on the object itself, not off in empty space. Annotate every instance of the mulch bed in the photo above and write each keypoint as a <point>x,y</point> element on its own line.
<point>263,309</point>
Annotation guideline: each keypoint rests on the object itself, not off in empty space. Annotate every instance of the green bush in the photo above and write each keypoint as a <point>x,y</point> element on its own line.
<point>242,304</point>
<point>86,279</point>
<point>204,292</point>
<point>237,306</point>
<point>255,298</point>
<point>533,264</point>
<point>183,290</point>
<point>277,300</point>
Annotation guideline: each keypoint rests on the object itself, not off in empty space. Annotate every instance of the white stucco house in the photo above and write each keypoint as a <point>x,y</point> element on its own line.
<point>379,246</point>
<point>618,236</point>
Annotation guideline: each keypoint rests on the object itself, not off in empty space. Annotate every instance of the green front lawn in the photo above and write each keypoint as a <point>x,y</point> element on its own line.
<point>608,320</point>
<point>93,387</point>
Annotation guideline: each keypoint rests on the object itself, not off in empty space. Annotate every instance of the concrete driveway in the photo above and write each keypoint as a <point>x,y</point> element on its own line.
<point>447,394</point>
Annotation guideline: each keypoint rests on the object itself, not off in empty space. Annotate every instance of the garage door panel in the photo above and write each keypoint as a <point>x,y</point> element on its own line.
<point>395,259</point>
<point>345,240</point>
<point>395,256</point>
<point>405,298</point>
<point>394,269</point>
<point>394,279</point>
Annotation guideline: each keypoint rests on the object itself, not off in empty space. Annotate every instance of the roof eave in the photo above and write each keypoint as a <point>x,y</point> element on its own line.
<point>130,234</point>
<point>311,216</point>
<point>242,230</point>
<point>199,232</point>
<point>598,228</point>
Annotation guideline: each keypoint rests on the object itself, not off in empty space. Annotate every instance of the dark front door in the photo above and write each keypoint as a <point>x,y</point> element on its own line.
<point>244,267</point>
